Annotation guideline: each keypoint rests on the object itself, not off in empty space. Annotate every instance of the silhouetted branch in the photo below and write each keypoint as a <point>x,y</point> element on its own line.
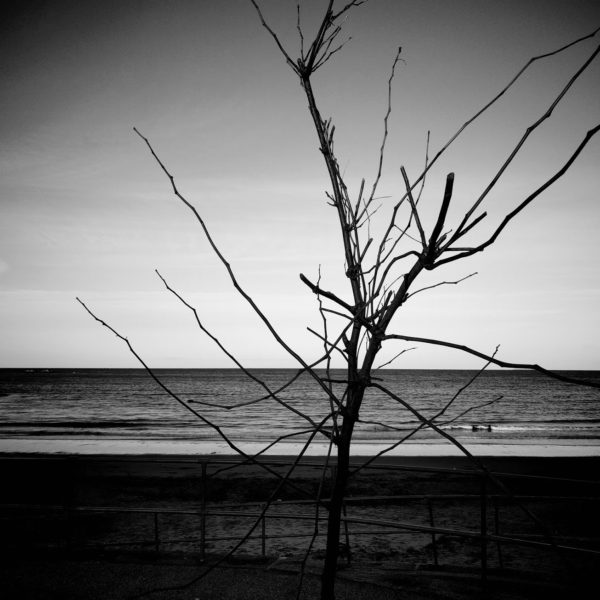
<point>437,229</point>
<point>331,345</point>
<point>229,270</point>
<point>471,409</point>
<point>469,383</point>
<point>173,395</point>
<point>475,460</point>
<point>298,28</point>
<point>470,251</point>
<point>289,61</point>
<point>347,7</point>
<point>500,363</point>
<point>520,143</point>
<point>385,129</point>
<point>385,364</point>
<point>424,423</point>
<point>430,287</point>
<point>413,206</point>
<point>425,168</point>
<point>250,375</point>
<point>330,295</point>
<point>503,91</point>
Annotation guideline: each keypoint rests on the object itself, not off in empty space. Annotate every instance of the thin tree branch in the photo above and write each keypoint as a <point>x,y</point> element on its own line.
<point>395,357</point>
<point>288,59</point>
<point>385,127</point>
<point>422,424</point>
<point>326,23</point>
<point>435,234</point>
<point>327,343</point>
<point>229,270</point>
<point>500,363</point>
<point>424,169</point>
<point>348,7</point>
<point>173,395</point>
<point>476,461</point>
<point>270,394</point>
<point>469,383</point>
<point>430,287</point>
<point>330,295</point>
<point>328,54</point>
<point>520,143</point>
<point>299,28</point>
<point>471,409</point>
<point>413,207</point>
<point>589,135</point>
<point>503,91</point>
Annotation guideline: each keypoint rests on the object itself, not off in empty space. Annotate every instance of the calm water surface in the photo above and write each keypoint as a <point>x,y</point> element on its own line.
<point>127,404</point>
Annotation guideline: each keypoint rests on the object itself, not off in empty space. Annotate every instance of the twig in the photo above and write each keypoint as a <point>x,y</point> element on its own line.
<point>430,287</point>
<point>395,357</point>
<point>413,207</point>
<point>385,128</point>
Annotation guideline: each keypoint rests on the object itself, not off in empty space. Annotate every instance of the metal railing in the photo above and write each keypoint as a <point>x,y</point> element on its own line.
<point>260,513</point>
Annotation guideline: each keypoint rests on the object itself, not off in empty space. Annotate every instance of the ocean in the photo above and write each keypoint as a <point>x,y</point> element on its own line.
<point>53,409</point>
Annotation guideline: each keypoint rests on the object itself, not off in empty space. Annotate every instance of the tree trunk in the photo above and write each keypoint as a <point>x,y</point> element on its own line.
<point>336,503</point>
<point>356,391</point>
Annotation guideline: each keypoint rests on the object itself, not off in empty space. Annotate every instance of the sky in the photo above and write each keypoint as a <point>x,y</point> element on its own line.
<point>85,211</point>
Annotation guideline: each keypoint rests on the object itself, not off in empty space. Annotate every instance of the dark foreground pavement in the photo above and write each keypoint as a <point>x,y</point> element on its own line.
<point>105,580</point>
<point>89,578</point>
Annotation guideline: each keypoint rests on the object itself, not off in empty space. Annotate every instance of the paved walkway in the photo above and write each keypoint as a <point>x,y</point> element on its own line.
<point>43,578</point>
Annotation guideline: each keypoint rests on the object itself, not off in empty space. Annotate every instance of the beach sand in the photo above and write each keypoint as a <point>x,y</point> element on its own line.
<point>60,541</point>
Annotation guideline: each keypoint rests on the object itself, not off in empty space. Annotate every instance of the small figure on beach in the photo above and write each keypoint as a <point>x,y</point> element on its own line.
<point>487,427</point>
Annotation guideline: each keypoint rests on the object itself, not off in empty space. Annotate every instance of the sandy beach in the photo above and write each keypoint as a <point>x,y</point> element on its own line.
<point>408,519</point>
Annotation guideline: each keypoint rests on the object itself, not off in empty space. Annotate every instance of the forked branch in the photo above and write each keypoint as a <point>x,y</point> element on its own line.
<point>231,274</point>
<point>523,139</point>
<point>510,216</point>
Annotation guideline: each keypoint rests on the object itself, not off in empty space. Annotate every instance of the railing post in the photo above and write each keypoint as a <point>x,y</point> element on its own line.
<point>69,528</point>
<point>483,532</point>
<point>347,535</point>
<point>156,536</point>
<point>264,531</point>
<point>68,493</point>
<point>497,532</point>
<point>203,513</point>
<point>433,536</point>
<point>333,474</point>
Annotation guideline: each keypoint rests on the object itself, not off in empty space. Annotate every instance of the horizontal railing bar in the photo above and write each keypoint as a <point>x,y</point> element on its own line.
<point>348,500</point>
<point>364,521</point>
<point>305,462</point>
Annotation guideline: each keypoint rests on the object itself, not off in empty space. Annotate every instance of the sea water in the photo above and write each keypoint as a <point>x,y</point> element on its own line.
<point>200,409</point>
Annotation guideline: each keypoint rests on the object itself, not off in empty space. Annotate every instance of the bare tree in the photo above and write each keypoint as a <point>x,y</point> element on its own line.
<point>381,271</point>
